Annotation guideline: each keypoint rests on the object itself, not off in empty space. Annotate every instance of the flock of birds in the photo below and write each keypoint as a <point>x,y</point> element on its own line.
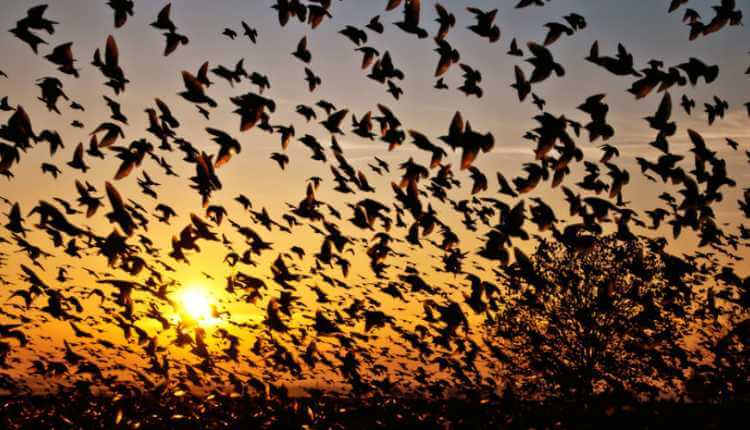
<point>341,328</point>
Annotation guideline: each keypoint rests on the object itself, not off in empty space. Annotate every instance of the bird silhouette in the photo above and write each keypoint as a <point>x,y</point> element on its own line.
<point>34,20</point>
<point>110,68</point>
<point>485,26</point>
<point>448,56</point>
<point>302,52</point>
<point>446,20</point>
<point>194,90</point>
<point>375,25</point>
<point>250,32</point>
<point>410,24</point>
<point>543,62</point>
<point>62,56</point>
<point>228,146</point>
<point>122,9</point>
<point>514,50</point>
<point>621,64</point>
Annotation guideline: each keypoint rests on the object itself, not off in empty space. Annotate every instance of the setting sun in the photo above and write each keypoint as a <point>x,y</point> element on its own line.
<point>196,305</point>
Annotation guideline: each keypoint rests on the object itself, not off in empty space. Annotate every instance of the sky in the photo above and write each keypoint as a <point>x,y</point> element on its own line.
<point>644,28</point>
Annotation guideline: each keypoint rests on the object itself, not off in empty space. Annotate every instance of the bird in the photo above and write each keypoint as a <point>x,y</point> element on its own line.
<point>369,56</point>
<point>446,20</point>
<point>514,50</point>
<point>251,109</point>
<point>122,9</point>
<point>312,80</point>
<point>543,62</point>
<point>620,65</point>
<point>93,148</point>
<point>62,56</point>
<point>34,20</point>
<point>375,25</point>
<point>577,22</point>
<point>54,140</point>
<point>302,52</point>
<point>448,56</point>
<point>422,142</point>
<point>333,122</point>
<point>676,4</point>
<point>554,31</point>
<point>174,40</point>
<point>687,103</point>
<point>472,78</point>
<point>717,109</point>
<point>52,90</point>
<point>250,32</point>
<point>112,133</point>
<point>410,23</point>
<point>229,146</point>
<point>522,86</point>
<point>164,21</point>
<point>110,67</point>
<point>4,106</point>
<point>539,102</point>
<point>485,26</point>
<point>231,75</point>
<point>354,34</point>
<point>660,120</point>
<point>77,162</point>
<point>288,9</point>
<point>194,91</point>
<point>696,69</point>
<point>51,169</point>
<point>526,3</point>
<point>281,159</point>
<point>260,80</point>
<point>609,152</point>
<point>116,110</point>
<point>307,112</point>
<point>25,35</point>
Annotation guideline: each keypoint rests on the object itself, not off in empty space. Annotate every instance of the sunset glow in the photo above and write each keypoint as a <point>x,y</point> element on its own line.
<point>195,304</point>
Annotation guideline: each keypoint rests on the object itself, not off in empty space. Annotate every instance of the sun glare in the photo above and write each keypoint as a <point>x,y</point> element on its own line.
<point>196,305</point>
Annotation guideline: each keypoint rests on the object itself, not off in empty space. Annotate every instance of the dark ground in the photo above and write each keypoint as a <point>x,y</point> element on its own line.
<point>182,411</point>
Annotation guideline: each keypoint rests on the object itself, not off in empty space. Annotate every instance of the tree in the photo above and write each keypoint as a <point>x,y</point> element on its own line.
<point>722,363</point>
<point>609,319</point>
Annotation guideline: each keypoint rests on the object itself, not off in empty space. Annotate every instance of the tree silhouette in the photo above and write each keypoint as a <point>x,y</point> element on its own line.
<point>606,320</point>
<point>722,371</point>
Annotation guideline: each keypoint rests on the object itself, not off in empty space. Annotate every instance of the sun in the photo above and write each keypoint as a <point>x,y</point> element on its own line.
<point>196,305</point>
